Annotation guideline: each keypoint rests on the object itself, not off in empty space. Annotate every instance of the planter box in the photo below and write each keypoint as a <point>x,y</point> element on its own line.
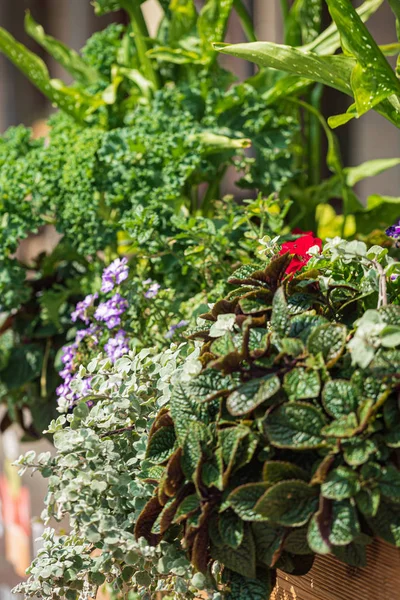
<point>330,579</point>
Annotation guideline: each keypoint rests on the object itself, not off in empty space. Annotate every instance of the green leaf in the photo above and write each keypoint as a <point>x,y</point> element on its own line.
<point>192,447</point>
<point>353,554</point>
<point>296,425</point>
<point>241,560</point>
<point>187,507</point>
<point>386,524</point>
<point>24,365</point>
<point>268,539</point>
<point>277,470</point>
<point>183,17</point>
<point>329,340</point>
<point>315,540</point>
<point>244,498</point>
<point>344,526</point>
<point>212,23</point>
<point>329,40</point>
<point>302,325</point>
<point>368,500</point>
<point>251,394</point>
<point>161,445</point>
<point>245,588</point>
<point>370,168</point>
<point>296,542</point>
<point>70,100</point>
<point>280,318</point>
<point>341,483</point>
<point>231,528</point>
<point>289,503</point>
<point>301,384</point>
<point>357,451</point>
<point>339,397</point>
<point>344,427</point>
<point>372,80</point>
<point>66,57</point>
<point>334,71</point>
<point>389,483</point>
<point>208,384</point>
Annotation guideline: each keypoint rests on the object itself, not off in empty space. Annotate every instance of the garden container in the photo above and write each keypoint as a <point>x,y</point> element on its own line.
<point>330,579</point>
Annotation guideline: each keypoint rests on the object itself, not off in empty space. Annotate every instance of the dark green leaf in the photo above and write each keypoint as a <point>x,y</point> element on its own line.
<point>301,384</point>
<point>161,445</point>
<point>296,425</point>
<point>244,498</point>
<point>339,397</point>
<point>340,484</point>
<point>344,525</point>
<point>289,503</point>
<point>231,528</point>
<point>251,394</point>
<point>241,560</point>
<point>276,470</point>
<point>329,340</point>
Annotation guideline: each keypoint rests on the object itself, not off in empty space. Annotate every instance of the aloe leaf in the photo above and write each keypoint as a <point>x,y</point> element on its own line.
<point>369,168</point>
<point>66,57</point>
<point>373,79</point>
<point>329,40</point>
<point>70,100</point>
<point>212,23</point>
<point>334,71</point>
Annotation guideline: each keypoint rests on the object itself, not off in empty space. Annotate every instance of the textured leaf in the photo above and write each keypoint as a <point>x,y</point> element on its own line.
<point>344,427</point>
<point>243,588</point>
<point>300,384</point>
<point>368,501</point>
<point>192,448</point>
<point>289,503</point>
<point>280,321</point>
<point>339,397</point>
<point>386,524</point>
<point>241,560</point>
<point>24,365</point>
<point>161,445</point>
<point>231,528</point>
<point>229,440</point>
<point>315,539</point>
<point>389,483</point>
<point>344,526</point>
<point>303,325</point>
<point>275,471</point>
<point>244,498</point>
<point>251,394</point>
<point>212,470</point>
<point>208,384</point>
<point>329,340</point>
<point>296,542</point>
<point>296,425</point>
<point>268,539</point>
<point>353,554</point>
<point>188,506</point>
<point>357,451</point>
<point>340,484</point>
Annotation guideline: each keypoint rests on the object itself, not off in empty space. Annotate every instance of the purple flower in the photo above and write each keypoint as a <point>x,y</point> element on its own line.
<point>92,331</point>
<point>394,230</point>
<point>170,333</point>
<point>81,308</point>
<point>110,312</point>
<point>117,346</point>
<point>153,288</point>
<point>114,274</point>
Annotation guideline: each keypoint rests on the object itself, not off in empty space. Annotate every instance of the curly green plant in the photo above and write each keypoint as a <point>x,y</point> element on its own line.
<point>284,444</point>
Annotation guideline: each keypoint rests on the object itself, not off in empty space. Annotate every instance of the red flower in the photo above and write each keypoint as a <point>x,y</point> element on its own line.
<point>300,249</point>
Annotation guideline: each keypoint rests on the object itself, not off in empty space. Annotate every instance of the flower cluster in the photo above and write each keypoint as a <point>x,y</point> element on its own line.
<point>103,332</point>
<point>115,274</point>
<point>394,230</point>
<point>152,288</point>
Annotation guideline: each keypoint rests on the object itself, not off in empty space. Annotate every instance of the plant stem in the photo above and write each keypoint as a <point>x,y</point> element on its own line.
<point>141,32</point>
<point>314,139</point>
<point>117,431</point>
<point>382,300</point>
<point>285,9</point>
<point>245,20</point>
